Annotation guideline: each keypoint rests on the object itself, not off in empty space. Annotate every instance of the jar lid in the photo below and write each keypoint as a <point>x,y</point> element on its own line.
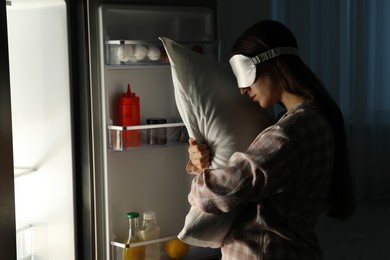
<point>156,120</point>
<point>149,215</point>
<point>132,215</point>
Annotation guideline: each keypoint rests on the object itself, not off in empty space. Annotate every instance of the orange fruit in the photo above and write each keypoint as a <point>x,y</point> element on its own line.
<point>175,248</point>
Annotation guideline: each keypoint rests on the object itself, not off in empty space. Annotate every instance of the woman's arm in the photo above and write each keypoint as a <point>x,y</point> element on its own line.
<point>247,177</point>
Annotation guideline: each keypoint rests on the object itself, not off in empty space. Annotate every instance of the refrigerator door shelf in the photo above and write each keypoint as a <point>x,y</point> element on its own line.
<point>21,171</point>
<point>193,252</point>
<point>122,138</point>
<point>121,53</point>
<point>118,248</point>
<point>143,243</point>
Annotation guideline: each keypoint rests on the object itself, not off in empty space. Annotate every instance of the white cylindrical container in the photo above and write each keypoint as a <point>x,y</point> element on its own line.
<point>150,230</point>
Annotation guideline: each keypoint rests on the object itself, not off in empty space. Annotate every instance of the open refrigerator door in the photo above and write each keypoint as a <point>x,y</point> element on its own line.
<point>41,129</point>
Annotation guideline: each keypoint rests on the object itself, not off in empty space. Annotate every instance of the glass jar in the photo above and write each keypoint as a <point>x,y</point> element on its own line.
<point>156,136</point>
<point>133,253</point>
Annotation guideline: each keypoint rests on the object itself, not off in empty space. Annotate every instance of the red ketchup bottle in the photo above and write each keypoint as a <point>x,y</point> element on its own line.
<point>129,115</point>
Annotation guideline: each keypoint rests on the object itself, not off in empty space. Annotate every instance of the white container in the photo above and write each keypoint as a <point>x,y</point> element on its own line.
<point>150,231</point>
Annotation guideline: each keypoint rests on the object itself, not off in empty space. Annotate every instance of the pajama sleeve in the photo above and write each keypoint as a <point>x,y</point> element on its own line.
<point>265,168</point>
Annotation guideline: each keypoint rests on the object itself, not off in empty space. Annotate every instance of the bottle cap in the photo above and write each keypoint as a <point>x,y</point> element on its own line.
<point>132,215</point>
<point>149,215</point>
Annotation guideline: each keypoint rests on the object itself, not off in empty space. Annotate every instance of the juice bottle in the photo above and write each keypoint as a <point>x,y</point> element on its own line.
<point>133,253</point>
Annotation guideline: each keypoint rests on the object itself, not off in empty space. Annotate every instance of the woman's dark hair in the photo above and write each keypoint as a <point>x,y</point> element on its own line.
<point>295,77</point>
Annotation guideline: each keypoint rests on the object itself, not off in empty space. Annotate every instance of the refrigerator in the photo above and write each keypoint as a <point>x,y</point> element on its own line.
<point>150,174</point>
<point>74,175</point>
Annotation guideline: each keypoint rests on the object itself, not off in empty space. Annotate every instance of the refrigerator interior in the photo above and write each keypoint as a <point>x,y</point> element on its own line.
<point>41,123</point>
<point>147,177</point>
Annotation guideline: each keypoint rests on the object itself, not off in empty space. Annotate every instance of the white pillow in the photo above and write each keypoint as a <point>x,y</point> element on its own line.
<point>214,113</point>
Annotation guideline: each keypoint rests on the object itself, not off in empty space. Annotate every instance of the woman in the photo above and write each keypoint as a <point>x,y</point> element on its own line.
<point>293,171</point>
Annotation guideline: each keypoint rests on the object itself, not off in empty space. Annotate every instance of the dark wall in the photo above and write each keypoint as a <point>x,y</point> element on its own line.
<point>235,16</point>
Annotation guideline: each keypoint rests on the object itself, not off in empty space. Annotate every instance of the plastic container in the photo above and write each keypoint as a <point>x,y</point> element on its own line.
<point>156,136</point>
<point>129,115</point>
<point>150,231</point>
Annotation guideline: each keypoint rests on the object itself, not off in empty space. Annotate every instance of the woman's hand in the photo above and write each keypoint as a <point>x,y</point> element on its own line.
<point>199,154</point>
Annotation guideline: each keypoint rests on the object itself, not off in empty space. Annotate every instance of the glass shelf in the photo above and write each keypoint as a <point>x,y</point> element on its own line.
<point>121,138</point>
<point>120,53</point>
<point>20,171</point>
<point>197,253</point>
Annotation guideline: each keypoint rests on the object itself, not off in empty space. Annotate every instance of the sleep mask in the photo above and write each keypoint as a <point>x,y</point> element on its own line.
<point>244,68</point>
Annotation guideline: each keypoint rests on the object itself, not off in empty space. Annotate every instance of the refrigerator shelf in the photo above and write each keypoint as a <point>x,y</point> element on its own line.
<point>121,138</point>
<point>124,53</point>
<point>194,252</point>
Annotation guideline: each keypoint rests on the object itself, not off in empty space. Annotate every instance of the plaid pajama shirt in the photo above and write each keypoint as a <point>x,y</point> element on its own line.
<point>280,184</point>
